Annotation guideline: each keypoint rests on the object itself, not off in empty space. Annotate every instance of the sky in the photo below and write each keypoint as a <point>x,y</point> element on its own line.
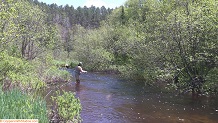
<point>88,3</point>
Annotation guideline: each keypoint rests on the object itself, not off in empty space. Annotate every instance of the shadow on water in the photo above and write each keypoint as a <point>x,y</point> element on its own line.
<point>107,99</point>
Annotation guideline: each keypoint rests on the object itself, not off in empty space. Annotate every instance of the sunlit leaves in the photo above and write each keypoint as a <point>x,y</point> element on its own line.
<point>68,106</point>
<point>18,72</point>
<point>161,39</point>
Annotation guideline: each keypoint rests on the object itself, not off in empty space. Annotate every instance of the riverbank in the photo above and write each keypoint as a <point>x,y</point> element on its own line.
<point>18,105</point>
<point>109,98</point>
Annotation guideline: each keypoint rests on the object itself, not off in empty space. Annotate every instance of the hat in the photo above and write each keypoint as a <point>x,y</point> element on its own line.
<point>80,64</point>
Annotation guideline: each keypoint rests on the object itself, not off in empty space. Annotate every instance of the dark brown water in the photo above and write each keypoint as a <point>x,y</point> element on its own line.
<point>107,99</point>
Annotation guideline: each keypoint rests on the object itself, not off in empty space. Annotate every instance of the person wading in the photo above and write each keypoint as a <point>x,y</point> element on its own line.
<point>78,71</point>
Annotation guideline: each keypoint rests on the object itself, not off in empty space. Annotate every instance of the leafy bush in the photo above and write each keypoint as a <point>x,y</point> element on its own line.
<point>211,84</point>
<point>58,63</point>
<point>16,71</point>
<point>49,70</point>
<point>73,64</point>
<point>17,105</point>
<point>54,74</point>
<point>68,106</point>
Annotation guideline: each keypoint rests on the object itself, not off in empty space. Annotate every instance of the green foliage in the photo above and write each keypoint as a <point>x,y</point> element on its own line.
<point>17,105</point>
<point>174,39</point>
<point>88,17</point>
<point>157,41</point>
<point>91,50</point>
<point>24,32</point>
<point>59,63</point>
<point>7,26</point>
<point>144,39</point>
<point>16,71</point>
<point>211,84</point>
<point>53,74</point>
<point>68,106</point>
<point>73,64</point>
<point>186,44</point>
<point>33,33</point>
<point>50,70</point>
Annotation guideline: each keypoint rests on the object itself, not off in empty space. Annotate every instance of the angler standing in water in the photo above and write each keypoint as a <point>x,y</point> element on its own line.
<point>78,71</point>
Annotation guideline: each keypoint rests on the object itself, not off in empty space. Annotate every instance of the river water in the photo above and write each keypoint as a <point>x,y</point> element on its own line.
<point>108,99</point>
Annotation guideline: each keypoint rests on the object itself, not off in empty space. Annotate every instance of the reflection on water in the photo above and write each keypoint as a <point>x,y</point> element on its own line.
<point>106,99</point>
<point>77,88</point>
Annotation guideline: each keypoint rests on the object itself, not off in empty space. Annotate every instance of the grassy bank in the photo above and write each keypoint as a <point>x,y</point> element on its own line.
<point>17,105</point>
<point>20,79</point>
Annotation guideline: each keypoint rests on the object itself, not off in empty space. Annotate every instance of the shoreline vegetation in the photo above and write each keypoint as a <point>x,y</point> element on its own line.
<point>169,44</point>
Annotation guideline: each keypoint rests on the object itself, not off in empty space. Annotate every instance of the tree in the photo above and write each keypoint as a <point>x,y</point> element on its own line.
<point>7,26</point>
<point>32,30</point>
<point>169,40</point>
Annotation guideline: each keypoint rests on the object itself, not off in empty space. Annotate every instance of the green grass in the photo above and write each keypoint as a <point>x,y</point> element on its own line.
<point>17,105</point>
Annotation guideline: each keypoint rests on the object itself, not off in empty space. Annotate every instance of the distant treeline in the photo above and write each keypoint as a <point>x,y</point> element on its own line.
<point>67,16</point>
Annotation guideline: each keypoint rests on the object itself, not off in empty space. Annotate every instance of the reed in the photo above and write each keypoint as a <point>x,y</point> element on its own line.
<point>17,105</point>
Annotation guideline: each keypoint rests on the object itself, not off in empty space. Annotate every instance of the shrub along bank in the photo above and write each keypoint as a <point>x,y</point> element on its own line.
<point>20,79</point>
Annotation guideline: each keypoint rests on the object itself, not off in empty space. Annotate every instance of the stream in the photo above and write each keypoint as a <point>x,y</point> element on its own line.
<point>109,99</point>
